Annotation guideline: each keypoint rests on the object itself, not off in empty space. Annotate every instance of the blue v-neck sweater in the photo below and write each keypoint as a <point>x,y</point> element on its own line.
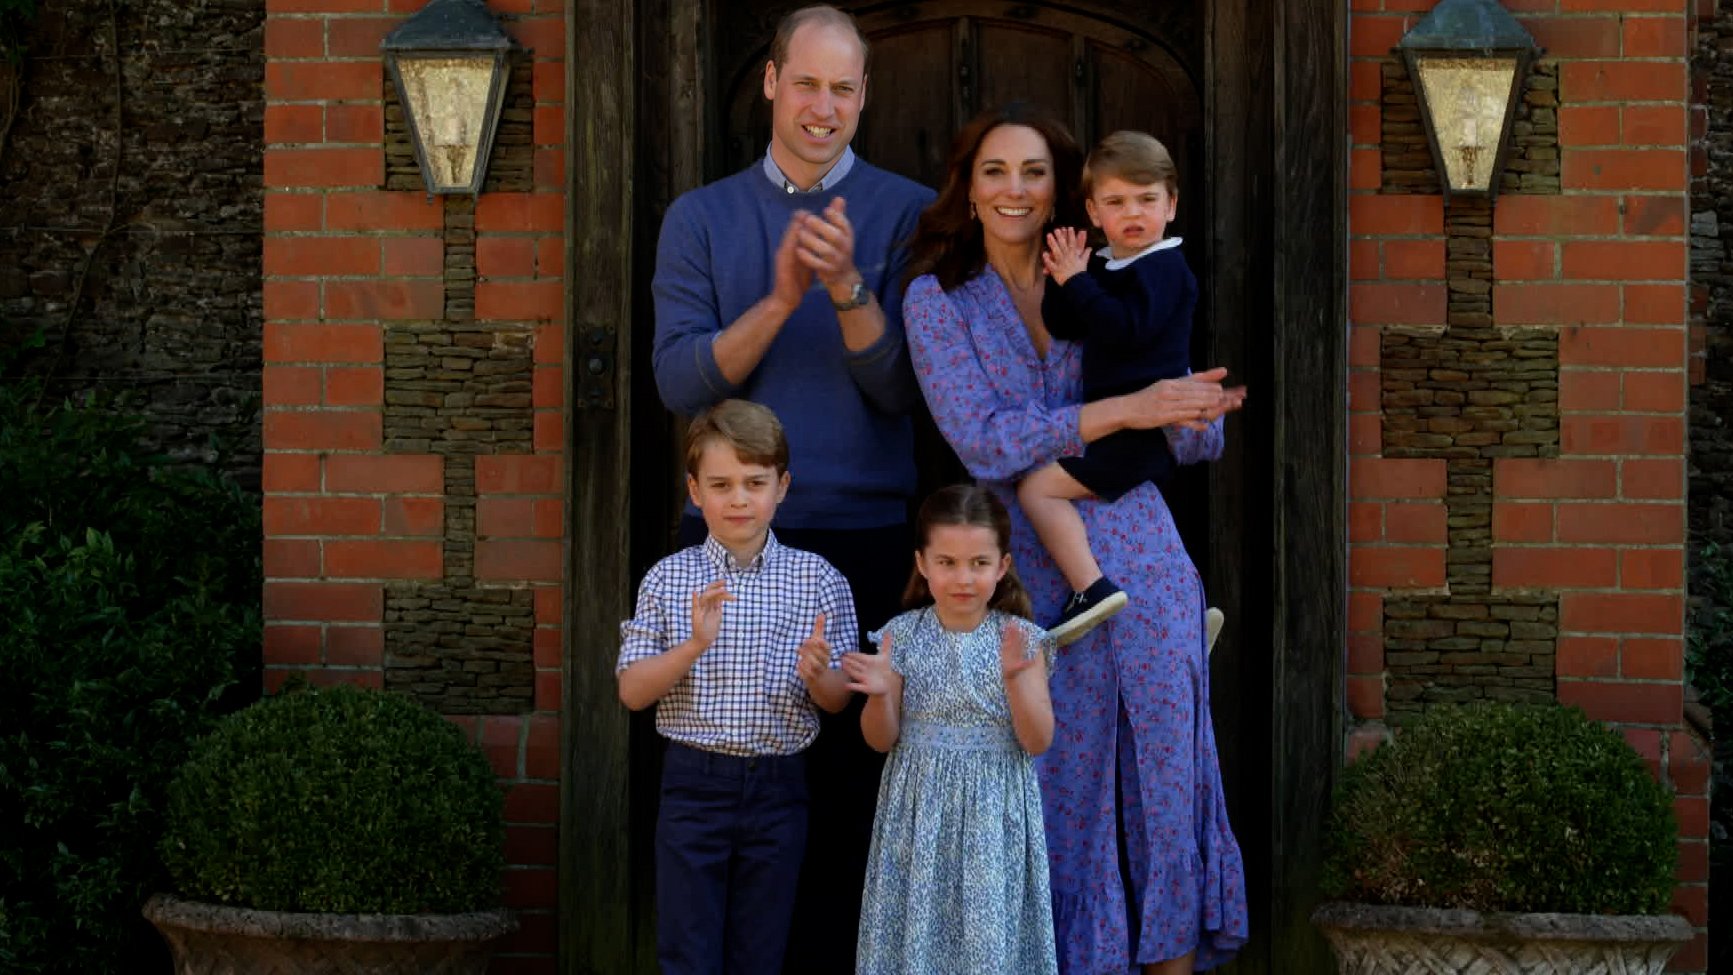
<point>846,413</point>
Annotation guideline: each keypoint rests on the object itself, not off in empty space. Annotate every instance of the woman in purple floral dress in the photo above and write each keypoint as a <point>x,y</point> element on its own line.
<point>1133,764</point>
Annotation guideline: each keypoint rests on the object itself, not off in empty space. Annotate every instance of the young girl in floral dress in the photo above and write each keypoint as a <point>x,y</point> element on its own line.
<point>957,872</point>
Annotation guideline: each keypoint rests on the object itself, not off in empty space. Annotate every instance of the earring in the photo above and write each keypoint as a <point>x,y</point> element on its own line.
<point>972,214</point>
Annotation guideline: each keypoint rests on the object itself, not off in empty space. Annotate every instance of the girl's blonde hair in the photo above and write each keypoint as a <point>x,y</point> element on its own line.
<point>968,506</point>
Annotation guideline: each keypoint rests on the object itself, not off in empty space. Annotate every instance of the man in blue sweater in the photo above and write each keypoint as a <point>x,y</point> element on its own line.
<point>782,284</point>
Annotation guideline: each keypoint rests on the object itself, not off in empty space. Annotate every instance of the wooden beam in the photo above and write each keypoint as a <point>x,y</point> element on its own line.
<point>1310,487</point>
<point>596,921</point>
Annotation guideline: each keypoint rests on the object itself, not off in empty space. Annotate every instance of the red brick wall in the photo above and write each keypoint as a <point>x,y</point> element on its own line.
<point>344,516</point>
<point>1604,262</point>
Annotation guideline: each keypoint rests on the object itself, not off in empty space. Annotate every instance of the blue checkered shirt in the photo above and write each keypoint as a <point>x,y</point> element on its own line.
<point>742,696</point>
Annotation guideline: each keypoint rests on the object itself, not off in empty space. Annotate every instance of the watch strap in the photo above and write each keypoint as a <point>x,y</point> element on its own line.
<point>858,296</point>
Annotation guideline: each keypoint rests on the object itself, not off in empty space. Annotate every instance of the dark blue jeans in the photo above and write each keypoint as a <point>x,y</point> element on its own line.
<point>729,838</point>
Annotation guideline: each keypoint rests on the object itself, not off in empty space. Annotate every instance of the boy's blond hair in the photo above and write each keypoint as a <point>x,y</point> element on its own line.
<point>1135,157</point>
<point>752,430</point>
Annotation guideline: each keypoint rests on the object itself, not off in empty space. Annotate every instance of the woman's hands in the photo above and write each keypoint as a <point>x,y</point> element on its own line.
<point>1194,402</point>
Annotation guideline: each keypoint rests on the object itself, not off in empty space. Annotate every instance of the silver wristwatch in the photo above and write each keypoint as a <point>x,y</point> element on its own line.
<point>858,296</point>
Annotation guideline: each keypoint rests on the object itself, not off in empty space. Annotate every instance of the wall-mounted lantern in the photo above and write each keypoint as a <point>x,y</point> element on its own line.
<point>450,62</point>
<point>1468,60</point>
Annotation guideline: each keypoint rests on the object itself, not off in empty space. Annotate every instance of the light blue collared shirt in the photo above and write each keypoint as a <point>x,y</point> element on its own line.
<point>844,163</point>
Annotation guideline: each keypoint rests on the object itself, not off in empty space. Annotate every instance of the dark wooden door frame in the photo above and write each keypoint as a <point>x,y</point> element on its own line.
<point>1275,90</point>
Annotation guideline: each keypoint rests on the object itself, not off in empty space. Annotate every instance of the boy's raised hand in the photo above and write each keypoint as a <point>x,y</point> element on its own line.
<point>1066,254</point>
<point>1014,656</point>
<point>871,673</point>
<point>814,653</point>
<point>707,612</point>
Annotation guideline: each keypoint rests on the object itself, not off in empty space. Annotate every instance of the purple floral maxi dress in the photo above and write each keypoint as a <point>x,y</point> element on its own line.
<point>1131,698</point>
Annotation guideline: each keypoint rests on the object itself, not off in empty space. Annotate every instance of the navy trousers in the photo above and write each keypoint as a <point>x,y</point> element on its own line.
<point>729,838</point>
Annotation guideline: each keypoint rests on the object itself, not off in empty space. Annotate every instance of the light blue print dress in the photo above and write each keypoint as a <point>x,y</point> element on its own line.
<point>957,873</point>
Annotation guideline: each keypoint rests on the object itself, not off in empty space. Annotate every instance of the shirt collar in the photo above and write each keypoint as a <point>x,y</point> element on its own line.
<point>844,163</point>
<point>1115,263</point>
<point>724,560</point>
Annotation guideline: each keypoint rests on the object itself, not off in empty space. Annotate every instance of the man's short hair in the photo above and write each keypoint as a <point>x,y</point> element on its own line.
<point>752,430</point>
<point>1136,157</point>
<point>824,15</point>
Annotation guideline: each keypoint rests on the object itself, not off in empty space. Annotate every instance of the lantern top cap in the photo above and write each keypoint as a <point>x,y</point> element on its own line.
<point>449,25</point>
<point>1467,25</point>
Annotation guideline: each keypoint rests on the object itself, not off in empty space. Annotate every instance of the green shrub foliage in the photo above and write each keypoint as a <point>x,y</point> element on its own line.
<point>1503,808</point>
<point>131,589</point>
<point>338,800</point>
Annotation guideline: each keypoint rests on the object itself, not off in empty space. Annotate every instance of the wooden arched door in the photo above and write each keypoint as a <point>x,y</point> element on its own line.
<point>1252,96</point>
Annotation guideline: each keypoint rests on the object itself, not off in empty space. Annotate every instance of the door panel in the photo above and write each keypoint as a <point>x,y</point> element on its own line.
<point>907,100</point>
<point>1022,62</point>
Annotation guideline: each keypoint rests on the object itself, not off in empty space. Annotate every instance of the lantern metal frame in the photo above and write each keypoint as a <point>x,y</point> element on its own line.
<point>452,29</point>
<point>1476,30</point>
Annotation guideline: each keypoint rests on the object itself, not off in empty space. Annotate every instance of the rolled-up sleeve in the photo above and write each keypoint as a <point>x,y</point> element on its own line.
<point>997,436</point>
<point>836,602</point>
<point>648,632</point>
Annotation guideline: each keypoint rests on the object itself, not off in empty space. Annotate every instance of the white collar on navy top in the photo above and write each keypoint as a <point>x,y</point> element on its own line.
<point>725,561</point>
<point>1115,263</point>
<point>844,163</point>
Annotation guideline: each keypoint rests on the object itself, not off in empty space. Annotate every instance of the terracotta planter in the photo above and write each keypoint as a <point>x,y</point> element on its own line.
<point>1377,940</point>
<point>211,939</point>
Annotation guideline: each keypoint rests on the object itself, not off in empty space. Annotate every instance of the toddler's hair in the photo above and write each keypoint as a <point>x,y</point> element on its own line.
<point>1135,157</point>
<point>968,506</point>
<point>752,430</point>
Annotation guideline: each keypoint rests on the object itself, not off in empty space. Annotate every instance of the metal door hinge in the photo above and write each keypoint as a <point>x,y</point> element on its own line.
<point>594,363</point>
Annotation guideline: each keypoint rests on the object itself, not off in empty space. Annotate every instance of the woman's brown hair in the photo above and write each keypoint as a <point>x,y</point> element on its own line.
<point>968,506</point>
<point>947,242</point>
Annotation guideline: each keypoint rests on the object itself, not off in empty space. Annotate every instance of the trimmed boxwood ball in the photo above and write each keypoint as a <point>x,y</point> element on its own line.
<point>1496,807</point>
<point>337,800</point>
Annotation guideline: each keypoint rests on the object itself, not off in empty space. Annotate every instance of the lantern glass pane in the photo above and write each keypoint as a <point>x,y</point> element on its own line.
<point>1467,99</point>
<point>448,98</point>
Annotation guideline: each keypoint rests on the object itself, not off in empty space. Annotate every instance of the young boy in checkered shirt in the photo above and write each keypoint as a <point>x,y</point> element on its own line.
<point>729,641</point>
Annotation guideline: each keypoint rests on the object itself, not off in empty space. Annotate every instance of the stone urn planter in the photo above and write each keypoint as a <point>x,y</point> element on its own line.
<point>1497,839</point>
<point>214,939</point>
<point>1371,939</point>
<point>333,831</point>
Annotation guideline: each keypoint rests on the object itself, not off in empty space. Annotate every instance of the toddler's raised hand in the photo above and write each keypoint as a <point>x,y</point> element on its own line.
<point>1014,656</point>
<point>707,611</point>
<point>814,653</point>
<point>1066,254</point>
<point>871,673</point>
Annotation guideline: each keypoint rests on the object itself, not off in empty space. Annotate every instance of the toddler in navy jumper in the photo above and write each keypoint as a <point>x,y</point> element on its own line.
<point>1131,308</point>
